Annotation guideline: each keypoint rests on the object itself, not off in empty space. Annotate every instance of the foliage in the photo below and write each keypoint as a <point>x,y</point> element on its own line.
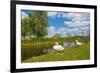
<point>35,24</point>
<point>25,27</point>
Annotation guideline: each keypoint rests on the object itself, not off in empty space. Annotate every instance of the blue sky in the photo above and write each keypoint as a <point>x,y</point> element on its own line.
<point>64,23</point>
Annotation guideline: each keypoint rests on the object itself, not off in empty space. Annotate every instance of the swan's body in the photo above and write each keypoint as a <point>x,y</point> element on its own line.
<point>58,47</point>
<point>78,43</point>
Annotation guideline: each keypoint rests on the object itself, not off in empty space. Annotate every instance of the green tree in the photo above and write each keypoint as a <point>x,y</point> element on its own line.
<point>35,23</point>
<point>38,21</point>
<point>25,27</point>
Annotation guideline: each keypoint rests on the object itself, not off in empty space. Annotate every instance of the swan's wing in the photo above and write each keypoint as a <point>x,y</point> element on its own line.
<point>61,47</point>
<point>58,48</point>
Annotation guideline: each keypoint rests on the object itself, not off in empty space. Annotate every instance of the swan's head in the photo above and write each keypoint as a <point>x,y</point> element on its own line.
<point>56,43</point>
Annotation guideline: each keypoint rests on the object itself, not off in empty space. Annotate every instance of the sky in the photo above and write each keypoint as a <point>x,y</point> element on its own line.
<point>64,23</point>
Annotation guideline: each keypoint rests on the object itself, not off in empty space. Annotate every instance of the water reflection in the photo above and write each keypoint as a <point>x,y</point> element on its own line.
<point>68,44</point>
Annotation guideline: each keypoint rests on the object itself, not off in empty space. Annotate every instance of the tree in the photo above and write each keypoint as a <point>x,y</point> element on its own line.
<point>38,23</point>
<point>35,23</point>
<point>24,27</point>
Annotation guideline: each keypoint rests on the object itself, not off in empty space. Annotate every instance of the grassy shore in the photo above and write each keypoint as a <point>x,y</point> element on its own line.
<point>73,53</point>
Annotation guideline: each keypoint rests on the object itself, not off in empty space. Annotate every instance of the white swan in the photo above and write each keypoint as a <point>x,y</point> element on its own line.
<point>58,47</point>
<point>78,43</point>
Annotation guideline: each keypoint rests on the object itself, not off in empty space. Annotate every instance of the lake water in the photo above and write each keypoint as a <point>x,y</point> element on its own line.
<point>69,44</point>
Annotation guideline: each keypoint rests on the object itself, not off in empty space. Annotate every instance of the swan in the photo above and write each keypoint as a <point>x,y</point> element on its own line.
<point>78,43</point>
<point>58,47</point>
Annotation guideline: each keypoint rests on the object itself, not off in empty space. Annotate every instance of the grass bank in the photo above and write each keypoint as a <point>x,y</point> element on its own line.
<point>74,53</point>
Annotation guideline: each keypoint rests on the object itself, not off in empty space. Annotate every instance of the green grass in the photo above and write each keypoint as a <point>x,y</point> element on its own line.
<point>74,53</point>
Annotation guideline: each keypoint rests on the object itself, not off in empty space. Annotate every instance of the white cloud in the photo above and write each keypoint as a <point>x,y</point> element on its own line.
<point>55,14</point>
<point>52,14</point>
<point>74,31</point>
<point>81,17</point>
<point>68,15</point>
<point>67,23</point>
<point>76,23</point>
<point>77,19</point>
<point>80,24</point>
<point>68,30</point>
<point>76,16</point>
<point>51,28</point>
<point>51,31</point>
<point>62,29</point>
<point>23,15</point>
<point>85,28</point>
<point>65,31</point>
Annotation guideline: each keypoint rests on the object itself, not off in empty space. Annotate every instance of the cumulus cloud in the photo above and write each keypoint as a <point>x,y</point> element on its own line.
<point>73,31</point>
<point>52,14</point>
<point>67,23</point>
<point>55,14</point>
<point>71,15</point>
<point>77,19</point>
<point>65,31</point>
<point>50,28</point>
<point>51,31</point>
<point>77,23</point>
<point>68,15</point>
<point>76,16</point>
